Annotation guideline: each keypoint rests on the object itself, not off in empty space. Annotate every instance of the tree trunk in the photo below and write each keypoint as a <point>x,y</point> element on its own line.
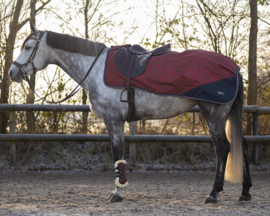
<point>252,60</point>
<point>193,123</point>
<point>13,29</point>
<point>132,147</point>
<point>85,114</point>
<point>142,126</point>
<point>84,96</point>
<point>2,22</point>
<point>31,96</point>
<point>165,125</point>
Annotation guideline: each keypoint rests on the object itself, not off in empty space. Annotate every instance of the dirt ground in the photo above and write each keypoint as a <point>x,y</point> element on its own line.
<point>85,193</point>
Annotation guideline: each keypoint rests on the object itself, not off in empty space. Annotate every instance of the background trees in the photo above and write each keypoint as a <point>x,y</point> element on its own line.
<point>215,25</point>
<point>30,98</point>
<point>16,18</point>
<point>252,59</point>
<point>14,27</point>
<point>89,12</point>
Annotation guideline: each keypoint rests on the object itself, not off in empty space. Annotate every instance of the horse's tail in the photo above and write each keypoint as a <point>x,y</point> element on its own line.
<point>234,166</point>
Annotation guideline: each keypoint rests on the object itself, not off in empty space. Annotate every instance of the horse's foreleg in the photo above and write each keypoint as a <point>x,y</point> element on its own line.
<point>116,133</point>
<point>247,179</point>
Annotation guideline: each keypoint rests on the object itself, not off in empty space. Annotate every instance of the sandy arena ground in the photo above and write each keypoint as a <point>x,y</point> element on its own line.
<point>82,193</point>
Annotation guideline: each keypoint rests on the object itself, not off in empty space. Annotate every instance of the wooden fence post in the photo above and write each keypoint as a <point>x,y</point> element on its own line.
<point>132,147</point>
<point>12,127</point>
<point>255,153</point>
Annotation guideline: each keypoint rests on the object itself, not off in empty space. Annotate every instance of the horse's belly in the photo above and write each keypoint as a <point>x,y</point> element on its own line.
<point>153,106</point>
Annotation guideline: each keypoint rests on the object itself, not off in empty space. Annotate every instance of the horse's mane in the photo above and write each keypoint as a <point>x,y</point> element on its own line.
<point>71,43</point>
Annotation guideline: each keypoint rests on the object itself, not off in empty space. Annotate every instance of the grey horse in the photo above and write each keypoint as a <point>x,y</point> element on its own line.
<point>75,55</point>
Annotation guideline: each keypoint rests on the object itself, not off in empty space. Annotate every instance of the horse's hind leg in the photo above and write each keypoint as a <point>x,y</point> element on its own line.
<point>245,196</point>
<point>222,147</point>
<point>114,125</point>
<point>215,116</point>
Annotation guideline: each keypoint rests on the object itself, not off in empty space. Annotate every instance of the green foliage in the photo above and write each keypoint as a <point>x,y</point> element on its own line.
<point>61,86</point>
<point>61,116</point>
<point>263,2</point>
<point>47,114</point>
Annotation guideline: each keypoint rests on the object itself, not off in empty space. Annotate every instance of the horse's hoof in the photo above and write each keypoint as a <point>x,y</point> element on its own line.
<point>210,199</point>
<point>244,198</point>
<point>116,196</point>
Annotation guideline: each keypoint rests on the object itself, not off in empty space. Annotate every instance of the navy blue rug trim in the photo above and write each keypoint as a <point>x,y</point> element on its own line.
<point>222,91</point>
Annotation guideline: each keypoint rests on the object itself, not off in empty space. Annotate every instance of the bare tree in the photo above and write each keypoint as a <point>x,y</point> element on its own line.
<point>3,20</point>
<point>87,19</point>
<point>14,26</point>
<point>31,96</point>
<point>252,59</point>
<point>93,21</point>
<point>162,26</point>
<point>221,25</point>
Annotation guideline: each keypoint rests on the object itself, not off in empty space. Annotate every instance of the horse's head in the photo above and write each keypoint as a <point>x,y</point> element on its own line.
<point>32,57</point>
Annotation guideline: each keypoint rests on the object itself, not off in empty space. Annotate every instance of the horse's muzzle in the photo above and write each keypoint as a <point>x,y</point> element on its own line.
<point>15,76</point>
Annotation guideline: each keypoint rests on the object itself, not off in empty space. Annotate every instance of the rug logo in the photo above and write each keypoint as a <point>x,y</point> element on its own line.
<point>221,93</point>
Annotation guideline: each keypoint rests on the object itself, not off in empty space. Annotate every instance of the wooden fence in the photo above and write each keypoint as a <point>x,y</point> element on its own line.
<point>131,139</point>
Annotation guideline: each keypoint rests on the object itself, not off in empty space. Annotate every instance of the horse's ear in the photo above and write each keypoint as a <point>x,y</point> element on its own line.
<point>33,28</point>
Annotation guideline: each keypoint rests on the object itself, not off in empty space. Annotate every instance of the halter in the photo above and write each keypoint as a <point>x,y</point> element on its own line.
<point>31,61</point>
<point>31,58</point>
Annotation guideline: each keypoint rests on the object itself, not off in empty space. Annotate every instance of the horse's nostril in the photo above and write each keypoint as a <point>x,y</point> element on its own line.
<point>10,73</point>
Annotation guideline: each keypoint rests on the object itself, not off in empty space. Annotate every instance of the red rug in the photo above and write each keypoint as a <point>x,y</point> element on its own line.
<point>196,74</point>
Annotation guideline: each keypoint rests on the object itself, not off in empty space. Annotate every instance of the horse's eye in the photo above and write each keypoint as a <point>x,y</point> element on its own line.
<point>27,47</point>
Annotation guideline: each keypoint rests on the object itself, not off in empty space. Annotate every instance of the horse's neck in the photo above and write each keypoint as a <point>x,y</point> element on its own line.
<point>77,65</point>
